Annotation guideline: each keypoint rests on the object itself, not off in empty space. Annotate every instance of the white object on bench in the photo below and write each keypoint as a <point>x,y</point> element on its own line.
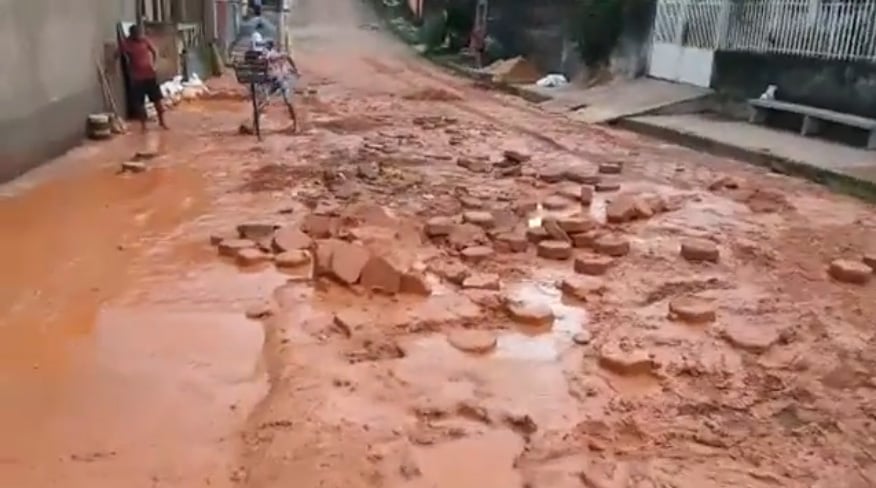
<point>812,117</point>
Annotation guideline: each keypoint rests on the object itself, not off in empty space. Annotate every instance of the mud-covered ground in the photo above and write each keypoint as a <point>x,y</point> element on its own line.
<point>127,356</point>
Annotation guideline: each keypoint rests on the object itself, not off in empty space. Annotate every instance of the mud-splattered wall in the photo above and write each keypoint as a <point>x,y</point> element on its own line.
<point>48,50</point>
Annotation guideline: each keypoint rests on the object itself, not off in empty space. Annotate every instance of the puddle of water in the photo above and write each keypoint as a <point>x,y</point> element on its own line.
<point>473,462</point>
<point>151,389</point>
<point>542,344</point>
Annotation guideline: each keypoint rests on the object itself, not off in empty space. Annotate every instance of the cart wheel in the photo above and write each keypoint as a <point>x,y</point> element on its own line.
<point>255,110</point>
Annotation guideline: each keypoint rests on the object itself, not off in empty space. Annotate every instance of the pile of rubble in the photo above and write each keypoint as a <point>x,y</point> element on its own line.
<point>325,246</point>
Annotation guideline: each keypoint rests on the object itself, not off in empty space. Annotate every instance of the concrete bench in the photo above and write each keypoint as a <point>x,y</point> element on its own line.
<point>812,117</point>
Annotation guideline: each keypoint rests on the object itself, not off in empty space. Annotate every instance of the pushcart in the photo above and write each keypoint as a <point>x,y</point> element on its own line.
<point>252,71</point>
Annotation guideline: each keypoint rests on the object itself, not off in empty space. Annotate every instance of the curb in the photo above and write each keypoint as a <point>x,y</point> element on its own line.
<point>833,180</point>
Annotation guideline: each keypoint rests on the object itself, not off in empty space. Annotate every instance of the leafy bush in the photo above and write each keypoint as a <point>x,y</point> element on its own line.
<point>597,27</point>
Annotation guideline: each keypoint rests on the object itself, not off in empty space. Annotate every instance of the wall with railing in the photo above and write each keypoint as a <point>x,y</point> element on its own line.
<point>818,52</point>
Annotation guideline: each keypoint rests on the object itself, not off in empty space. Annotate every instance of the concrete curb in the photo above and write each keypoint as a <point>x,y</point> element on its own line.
<point>836,181</point>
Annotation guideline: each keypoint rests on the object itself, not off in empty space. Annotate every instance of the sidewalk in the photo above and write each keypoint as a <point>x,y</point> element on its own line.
<point>843,168</point>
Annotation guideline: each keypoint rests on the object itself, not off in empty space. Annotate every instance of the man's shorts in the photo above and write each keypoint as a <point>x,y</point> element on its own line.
<point>142,90</point>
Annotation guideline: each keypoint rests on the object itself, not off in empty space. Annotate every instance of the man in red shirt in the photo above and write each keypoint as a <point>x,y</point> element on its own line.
<point>141,55</point>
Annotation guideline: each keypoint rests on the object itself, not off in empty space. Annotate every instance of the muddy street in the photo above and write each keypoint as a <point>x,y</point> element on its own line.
<point>432,285</point>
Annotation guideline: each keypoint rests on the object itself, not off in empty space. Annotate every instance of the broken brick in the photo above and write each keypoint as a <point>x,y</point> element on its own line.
<point>415,283</point>
<point>593,265</point>
<point>348,261</point>
<point>251,256</point>
<point>378,274</point>
<point>479,218</point>
<point>291,239</point>
<point>849,271</point>
<point>612,245</point>
<point>621,209</point>
<point>230,247</point>
<point>477,253</point>
<point>692,309</point>
<point>558,250</point>
<point>699,250</point>
<point>292,259</point>
<point>482,281</point>
<point>473,341</point>
<point>554,230</point>
<point>439,226</point>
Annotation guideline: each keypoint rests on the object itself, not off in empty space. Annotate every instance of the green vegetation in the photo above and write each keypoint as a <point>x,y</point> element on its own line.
<point>598,24</point>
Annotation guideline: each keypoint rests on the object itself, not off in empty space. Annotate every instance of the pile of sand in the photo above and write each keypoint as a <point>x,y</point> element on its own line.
<point>514,70</point>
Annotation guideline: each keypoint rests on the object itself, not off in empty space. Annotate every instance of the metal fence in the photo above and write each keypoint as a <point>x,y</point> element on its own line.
<point>835,29</point>
<point>839,29</point>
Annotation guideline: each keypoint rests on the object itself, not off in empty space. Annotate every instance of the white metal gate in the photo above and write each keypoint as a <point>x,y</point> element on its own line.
<point>685,36</point>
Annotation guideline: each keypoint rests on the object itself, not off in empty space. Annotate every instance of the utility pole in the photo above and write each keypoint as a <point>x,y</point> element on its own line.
<point>283,5</point>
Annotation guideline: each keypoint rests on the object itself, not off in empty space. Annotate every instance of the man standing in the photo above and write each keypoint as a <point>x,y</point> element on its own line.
<point>141,55</point>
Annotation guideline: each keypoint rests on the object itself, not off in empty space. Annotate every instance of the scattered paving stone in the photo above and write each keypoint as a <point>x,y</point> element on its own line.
<point>626,361</point>
<point>479,218</point>
<point>415,283</point>
<point>586,239</point>
<point>517,156</point>
<point>368,171</point>
<point>512,242</point>
<point>347,261</point>
<point>466,235</point>
<point>378,274</point>
<point>536,234</point>
<point>586,194</point>
<point>621,209</point>
<point>510,171</point>
<point>554,230</point>
<point>610,168</point>
<point>252,256</point>
<point>612,245</point>
<point>550,175</point>
<point>699,250</point>
<point>470,202</point>
<point>692,309</point>
<point>582,176</point>
<point>582,338</point>
<point>576,224</point>
<point>256,231</point>
<point>482,281</point>
<point>593,265</point>
<point>292,259</point>
<point>216,239</point>
<point>749,337</point>
<point>474,165</point>
<point>570,192</point>
<point>476,254</point>
<point>145,155</point>
<point>643,207</point>
<point>870,260</point>
<point>849,271</point>
<point>505,220</point>
<point>451,271</point>
<point>558,250</point>
<point>525,207</point>
<point>582,287</point>
<point>473,341</point>
<point>230,247</point>
<point>529,313</point>
<point>439,226</point>
<point>320,226</point>
<point>656,203</point>
<point>556,202</point>
<point>325,249</point>
<point>291,239</point>
<point>133,167</point>
<point>607,186</point>
<point>259,311</point>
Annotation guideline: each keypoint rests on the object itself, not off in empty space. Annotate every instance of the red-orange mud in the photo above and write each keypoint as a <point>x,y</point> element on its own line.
<point>126,358</point>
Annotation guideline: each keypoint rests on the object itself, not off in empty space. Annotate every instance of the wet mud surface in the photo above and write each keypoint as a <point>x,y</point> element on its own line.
<point>135,351</point>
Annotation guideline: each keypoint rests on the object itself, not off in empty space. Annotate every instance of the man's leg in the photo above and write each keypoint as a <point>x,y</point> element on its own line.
<point>153,91</point>
<point>138,98</point>
<point>288,93</point>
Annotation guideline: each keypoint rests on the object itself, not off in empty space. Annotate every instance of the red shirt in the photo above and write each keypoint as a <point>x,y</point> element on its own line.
<point>141,61</point>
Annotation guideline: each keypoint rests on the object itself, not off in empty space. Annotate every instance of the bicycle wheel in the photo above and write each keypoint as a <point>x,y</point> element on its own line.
<point>256,123</point>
